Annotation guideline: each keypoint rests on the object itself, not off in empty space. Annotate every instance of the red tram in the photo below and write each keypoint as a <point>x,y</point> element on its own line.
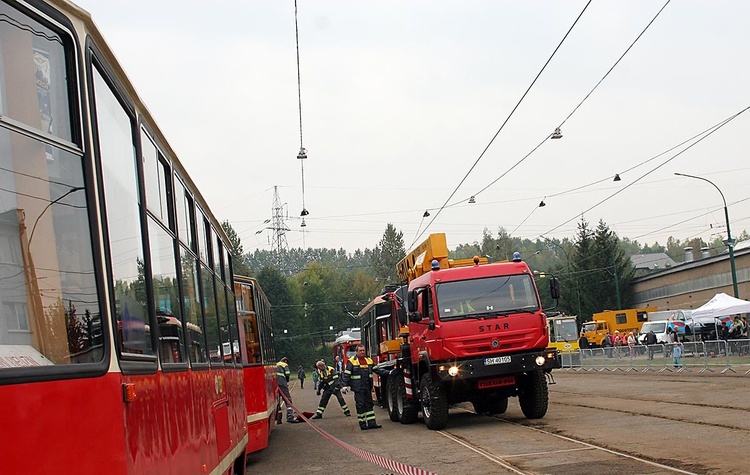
<point>259,361</point>
<point>116,291</point>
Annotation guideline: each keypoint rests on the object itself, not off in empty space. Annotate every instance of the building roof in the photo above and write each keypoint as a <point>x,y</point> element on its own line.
<point>652,262</point>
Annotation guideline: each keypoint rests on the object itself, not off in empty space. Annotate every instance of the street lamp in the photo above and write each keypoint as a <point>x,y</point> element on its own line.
<point>729,242</point>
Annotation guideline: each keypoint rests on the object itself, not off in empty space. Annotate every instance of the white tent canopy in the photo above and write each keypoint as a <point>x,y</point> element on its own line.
<point>721,305</point>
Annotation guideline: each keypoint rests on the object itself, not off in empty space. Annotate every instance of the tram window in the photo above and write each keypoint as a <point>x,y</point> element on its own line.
<point>50,307</point>
<point>118,164</point>
<point>166,294</point>
<point>157,182</point>
<point>233,331</point>
<point>227,266</point>
<point>227,345</point>
<point>216,254</point>
<point>208,297</point>
<point>196,341</point>
<point>203,236</point>
<point>252,338</point>
<point>185,214</point>
<point>34,76</point>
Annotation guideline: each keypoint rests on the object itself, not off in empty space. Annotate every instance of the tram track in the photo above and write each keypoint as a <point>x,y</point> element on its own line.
<point>508,461</point>
<point>646,399</point>
<point>655,415</point>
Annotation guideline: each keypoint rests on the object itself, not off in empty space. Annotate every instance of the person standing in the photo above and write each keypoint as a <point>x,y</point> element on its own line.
<point>631,344</point>
<point>676,354</point>
<point>358,375</point>
<point>607,345</point>
<point>301,377</point>
<point>282,379</point>
<point>329,384</point>
<point>583,344</point>
<point>650,341</point>
<point>315,378</point>
<point>339,365</point>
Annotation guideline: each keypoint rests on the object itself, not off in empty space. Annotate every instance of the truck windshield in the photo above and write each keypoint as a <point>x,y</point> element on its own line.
<point>656,327</point>
<point>486,298</point>
<point>589,327</point>
<point>564,330</point>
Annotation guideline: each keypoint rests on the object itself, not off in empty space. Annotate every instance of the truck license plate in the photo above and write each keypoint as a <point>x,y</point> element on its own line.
<point>496,382</point>
<point>496,360</point>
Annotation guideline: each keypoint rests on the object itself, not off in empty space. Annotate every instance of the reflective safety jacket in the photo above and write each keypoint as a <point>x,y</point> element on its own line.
<point>359,376</point>
<point>328,378</point>
<point>282,373</point>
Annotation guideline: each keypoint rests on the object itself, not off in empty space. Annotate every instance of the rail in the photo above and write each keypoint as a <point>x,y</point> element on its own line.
<point>713,356</point>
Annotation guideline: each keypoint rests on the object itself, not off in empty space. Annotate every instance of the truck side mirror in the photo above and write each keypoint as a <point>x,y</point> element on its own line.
<point>401,315</point>
<point>412,301</point>
<point>554,288</point>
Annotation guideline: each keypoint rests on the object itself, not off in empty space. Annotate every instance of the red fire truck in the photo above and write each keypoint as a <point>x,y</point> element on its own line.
<point>473,332</point>
<point>345,344</point>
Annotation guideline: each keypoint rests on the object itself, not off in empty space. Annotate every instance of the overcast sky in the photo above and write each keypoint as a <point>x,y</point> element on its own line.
<point>400,98</point>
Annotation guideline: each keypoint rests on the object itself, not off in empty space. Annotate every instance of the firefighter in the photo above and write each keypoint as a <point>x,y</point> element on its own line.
<point>358,375</point>
<point>330,384</point>
<point>282,378</point>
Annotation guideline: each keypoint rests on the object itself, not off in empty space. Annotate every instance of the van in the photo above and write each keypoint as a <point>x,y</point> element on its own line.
<point>659,328</point>
<point>680,320</point>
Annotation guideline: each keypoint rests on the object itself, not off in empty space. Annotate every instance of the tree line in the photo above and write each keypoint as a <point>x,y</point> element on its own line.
<point>315,293</point>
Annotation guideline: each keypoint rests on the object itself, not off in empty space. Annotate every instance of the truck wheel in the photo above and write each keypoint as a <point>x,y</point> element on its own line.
<point>492,404</point>
<point>434,403</point>
<point>497,405</point>
<point>480,406</point>
<point>533,396</point>
<point>407,409</point>
<point>391,396</point>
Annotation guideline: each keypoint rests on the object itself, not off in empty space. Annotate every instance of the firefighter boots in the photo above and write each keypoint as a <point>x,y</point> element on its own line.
<point>317,415</point>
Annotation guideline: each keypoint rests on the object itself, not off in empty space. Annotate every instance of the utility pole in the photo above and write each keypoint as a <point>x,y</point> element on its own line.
<point>729,242</point>
<point>278,226</point>
<point>617,280</point>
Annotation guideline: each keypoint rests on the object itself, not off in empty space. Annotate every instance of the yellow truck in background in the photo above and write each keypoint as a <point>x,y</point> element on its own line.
<point>623,321</point>
<point>563,332</point>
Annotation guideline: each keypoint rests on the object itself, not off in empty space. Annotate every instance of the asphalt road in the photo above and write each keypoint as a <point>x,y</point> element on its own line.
<point>598,422</point>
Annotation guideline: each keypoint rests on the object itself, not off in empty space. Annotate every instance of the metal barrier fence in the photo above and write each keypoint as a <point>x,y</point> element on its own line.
<point>714,356</point>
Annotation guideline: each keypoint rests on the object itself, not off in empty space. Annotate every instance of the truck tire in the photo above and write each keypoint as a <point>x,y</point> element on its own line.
<point>497,405</point>
<point>407,409</point>
<point>533,395</point>
<point>434,403</point>
<point>480,406</point>
<point>391,396</point>
<point>493,404</point>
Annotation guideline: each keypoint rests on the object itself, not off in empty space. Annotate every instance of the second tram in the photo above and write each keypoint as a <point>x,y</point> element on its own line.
<point>259,361</point>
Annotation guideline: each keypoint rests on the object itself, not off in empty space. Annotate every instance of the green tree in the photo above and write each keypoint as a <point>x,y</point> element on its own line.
<point>284,310</point>
<point>387,254</point>
<point>603,269</point>
<point>239,264</point>
<point>581,267</point>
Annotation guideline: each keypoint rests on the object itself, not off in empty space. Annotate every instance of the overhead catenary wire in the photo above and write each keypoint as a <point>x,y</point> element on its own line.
<point>576,107</point>
<point>437,212</point>
<point>708,134</point>
<point>302,155</point>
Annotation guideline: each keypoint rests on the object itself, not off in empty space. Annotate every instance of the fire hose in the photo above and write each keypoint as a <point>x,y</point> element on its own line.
<point>396,467</point>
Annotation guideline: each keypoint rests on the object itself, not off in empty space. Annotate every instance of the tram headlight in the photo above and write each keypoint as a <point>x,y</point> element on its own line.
<point>540,360</point>
<point>453,371</point>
